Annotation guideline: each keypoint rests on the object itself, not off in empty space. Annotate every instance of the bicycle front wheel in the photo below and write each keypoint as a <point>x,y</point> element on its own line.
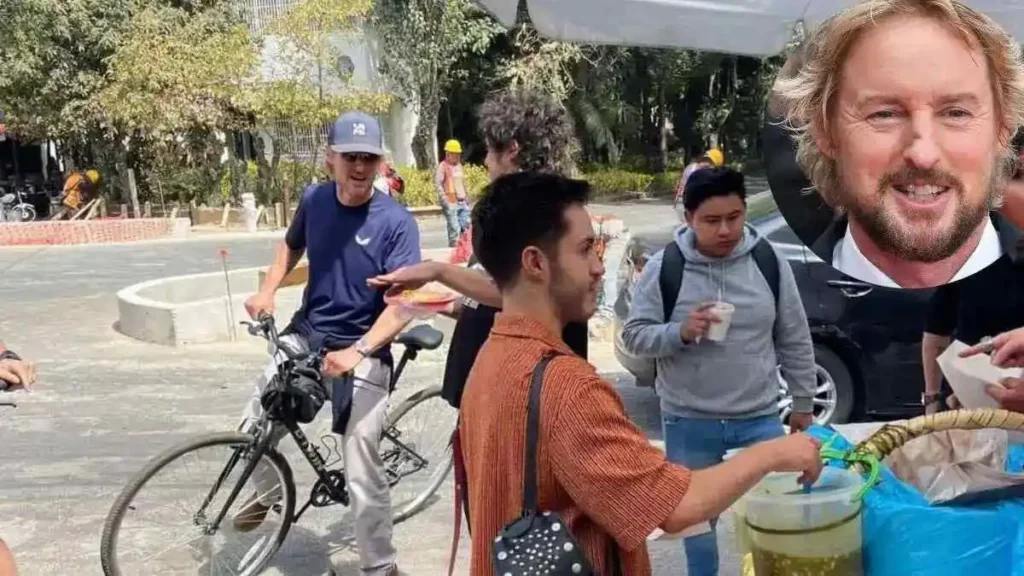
<point>165,521</point>
<point>417,450</point>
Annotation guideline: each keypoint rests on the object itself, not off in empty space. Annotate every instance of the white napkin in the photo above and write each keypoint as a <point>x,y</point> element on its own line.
<point>969,376</point>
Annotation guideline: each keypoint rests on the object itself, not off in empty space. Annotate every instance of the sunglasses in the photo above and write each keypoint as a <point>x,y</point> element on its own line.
<point>362,156</point>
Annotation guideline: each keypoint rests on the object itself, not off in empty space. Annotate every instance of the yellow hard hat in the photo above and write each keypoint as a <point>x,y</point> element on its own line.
<point>93,176</point>
<point>716,156</point>
<point>453,146</point>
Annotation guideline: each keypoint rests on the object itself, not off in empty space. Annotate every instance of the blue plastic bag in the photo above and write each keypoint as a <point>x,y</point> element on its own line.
<point>906,536</point>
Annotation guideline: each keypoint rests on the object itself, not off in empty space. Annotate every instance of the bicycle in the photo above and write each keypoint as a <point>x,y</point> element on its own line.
<point>400,458</point>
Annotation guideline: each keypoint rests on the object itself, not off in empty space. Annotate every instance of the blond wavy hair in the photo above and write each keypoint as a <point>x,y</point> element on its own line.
<point>806,98</point>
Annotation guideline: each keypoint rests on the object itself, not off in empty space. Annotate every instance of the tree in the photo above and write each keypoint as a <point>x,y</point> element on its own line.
<point>419,43</point>
<point>310,84</point>
<point>542,64</point>
<point>170,89</point>
<point>52,59</point>
<point>176,71</point>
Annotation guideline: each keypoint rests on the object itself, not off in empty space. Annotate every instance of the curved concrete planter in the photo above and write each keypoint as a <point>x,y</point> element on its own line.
<point>194,308</point>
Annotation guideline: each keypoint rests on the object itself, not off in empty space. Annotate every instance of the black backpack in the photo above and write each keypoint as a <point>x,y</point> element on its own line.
<point>673,265</point>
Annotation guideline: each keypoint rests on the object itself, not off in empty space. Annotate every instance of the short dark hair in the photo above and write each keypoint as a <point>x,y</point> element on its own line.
<point>520,210</point>
<point>539,123</point>
<point>706,183</point>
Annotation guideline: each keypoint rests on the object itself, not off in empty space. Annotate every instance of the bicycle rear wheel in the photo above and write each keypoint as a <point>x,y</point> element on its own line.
<point>137,540</point>
<point>417,450</point>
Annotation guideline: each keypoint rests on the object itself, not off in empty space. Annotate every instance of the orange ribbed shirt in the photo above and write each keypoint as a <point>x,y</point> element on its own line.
<point>595,467</point>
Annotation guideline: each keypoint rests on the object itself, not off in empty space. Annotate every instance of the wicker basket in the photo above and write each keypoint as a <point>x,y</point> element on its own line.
<point>895,434</point>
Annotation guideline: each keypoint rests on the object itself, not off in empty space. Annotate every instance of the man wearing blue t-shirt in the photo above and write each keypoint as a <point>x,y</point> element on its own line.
<point>349,234</point>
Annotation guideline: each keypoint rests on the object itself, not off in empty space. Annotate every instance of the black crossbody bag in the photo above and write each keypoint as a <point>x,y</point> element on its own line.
<point>539,543</point>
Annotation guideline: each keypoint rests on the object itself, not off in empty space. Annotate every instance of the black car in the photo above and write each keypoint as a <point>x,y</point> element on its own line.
<point>867,339</point>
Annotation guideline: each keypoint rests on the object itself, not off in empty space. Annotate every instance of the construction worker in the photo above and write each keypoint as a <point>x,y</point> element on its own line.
<point>80,188</point>
<point>451,191</point>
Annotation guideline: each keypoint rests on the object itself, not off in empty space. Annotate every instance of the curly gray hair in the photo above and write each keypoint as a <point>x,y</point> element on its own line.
<point>537,122</point>
<point>806,97</point>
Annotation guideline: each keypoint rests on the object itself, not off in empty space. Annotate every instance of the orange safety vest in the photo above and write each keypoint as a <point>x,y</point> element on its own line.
<point>454,185</point>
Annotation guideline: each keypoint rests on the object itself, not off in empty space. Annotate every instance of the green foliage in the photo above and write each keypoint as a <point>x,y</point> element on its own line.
<point>420,190</point>
<point>420,42</point>
<point>246,181</point>
<point>310,86</point>
<point>52,58</point>
<point>541,64</point>
<point>304,105</point>
<point>176,70</point>
<point>607,183</point>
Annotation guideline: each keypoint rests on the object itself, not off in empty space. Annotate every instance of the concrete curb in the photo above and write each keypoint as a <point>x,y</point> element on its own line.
<point>195,309</point>
<point>187,309</point>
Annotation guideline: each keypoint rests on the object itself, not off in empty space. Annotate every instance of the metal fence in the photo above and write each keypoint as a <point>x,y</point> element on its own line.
<point>260,13</point>
<point>308,143</point>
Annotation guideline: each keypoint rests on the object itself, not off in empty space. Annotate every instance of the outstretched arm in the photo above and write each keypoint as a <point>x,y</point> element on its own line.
<point>465,281</point>
<point>15,372</point>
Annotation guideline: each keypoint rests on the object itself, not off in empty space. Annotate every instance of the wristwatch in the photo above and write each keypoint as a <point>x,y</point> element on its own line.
<point>363,348</point>
<point>929,399</point>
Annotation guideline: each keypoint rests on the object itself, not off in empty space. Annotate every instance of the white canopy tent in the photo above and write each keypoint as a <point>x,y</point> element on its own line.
<point>747,27</point>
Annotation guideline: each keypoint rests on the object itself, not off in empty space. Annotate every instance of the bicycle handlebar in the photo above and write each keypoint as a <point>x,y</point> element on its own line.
<point>265,328</point>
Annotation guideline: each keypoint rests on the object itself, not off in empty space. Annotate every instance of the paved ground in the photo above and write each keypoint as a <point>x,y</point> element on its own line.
<point>105,404</point>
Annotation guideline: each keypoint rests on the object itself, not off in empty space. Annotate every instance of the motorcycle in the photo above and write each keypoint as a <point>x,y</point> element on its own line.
<point>13,207</point>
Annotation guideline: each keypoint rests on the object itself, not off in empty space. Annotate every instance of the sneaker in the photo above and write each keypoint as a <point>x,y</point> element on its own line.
<point>251,516</point>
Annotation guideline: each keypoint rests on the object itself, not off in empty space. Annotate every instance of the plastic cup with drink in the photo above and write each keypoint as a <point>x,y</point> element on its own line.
<point>718,330</point>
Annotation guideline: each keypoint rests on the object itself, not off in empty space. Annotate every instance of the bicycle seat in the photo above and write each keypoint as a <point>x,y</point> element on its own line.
<point>421,337</point>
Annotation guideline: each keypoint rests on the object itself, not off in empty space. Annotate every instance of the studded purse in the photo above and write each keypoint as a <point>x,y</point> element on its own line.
<point>539,543</point>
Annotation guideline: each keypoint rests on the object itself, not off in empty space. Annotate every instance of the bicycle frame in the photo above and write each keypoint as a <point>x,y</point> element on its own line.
<point>331,483</point>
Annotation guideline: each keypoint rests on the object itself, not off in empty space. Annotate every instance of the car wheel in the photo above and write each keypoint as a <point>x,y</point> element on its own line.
<point>834,396</point>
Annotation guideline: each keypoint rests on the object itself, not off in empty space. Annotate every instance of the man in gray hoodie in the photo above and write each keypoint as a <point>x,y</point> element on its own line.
<point>717,395</point>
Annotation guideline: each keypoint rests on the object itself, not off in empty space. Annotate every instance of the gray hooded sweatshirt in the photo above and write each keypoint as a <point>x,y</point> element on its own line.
<point>734,378</point>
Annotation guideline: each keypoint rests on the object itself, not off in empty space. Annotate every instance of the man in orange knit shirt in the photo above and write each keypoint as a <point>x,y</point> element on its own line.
<point>595,467</point>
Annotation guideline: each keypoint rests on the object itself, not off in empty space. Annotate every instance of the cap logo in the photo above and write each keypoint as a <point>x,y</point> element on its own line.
<point>359,129</point>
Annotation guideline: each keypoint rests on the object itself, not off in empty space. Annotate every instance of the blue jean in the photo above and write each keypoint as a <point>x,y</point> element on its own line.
<point>701,443</point>
<point>456,220</point>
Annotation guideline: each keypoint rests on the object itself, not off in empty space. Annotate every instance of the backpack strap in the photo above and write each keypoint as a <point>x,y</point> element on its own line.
<point>768,263</point>
<point>670,280</point>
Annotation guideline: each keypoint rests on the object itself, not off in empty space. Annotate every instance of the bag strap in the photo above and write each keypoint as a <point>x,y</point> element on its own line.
<point>530,504</point>
<point>616,561</point>
<point>461,496</point>
<point>673,263</point>
<point>670,280</point>
<point>768,263</point>
<point>532,433</point>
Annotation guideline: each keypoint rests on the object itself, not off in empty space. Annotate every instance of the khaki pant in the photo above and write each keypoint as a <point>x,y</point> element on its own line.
<point>364,469</point>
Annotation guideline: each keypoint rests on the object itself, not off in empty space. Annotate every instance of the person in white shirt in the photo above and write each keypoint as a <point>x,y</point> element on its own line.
<point>912,155</point>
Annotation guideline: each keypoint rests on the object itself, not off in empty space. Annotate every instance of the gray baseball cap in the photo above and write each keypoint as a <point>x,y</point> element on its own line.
<point>356,132</point>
